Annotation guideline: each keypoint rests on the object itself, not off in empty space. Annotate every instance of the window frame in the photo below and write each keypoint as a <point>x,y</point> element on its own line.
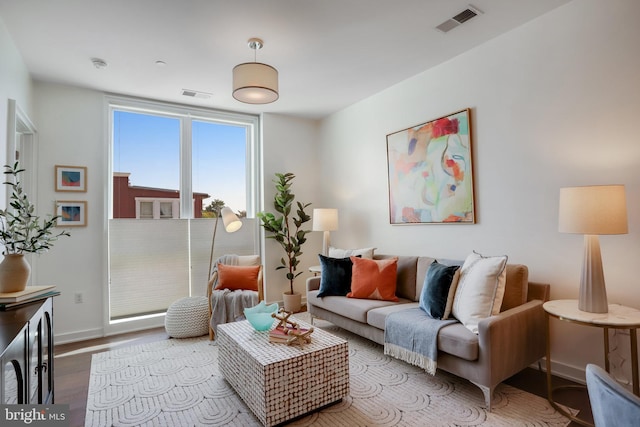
<point>186,114</point>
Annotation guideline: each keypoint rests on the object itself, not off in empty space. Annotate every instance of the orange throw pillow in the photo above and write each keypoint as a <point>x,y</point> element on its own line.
<point>236,277</point>
<point>374,279</point>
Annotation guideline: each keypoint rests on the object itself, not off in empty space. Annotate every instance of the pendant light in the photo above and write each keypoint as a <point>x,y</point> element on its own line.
<point>254,82</point>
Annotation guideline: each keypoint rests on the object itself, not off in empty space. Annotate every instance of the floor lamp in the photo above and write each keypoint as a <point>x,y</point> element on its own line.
<point>325,220</point>
<point>231,224</point>
<point>593,210</point>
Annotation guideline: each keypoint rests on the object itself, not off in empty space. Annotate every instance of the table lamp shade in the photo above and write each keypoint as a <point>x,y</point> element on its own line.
<point>598,209</point>
<point>593,210</point>
<point>325,220</point>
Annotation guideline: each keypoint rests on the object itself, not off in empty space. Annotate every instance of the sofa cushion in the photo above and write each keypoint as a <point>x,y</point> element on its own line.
<point>335,278</point>
<point>435,292</point>
<point>345,253</point>
<point>480,289</point>
<point>374,279</point>
<point>516,290</point>
<point>352,308</point>
<point>406,276</point>
<point>376,317</point>
<point>458,341</point>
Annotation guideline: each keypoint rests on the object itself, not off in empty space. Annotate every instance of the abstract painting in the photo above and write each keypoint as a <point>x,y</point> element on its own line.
<point>71,213</point>
<point>71,178</point>
<point>430,172</point>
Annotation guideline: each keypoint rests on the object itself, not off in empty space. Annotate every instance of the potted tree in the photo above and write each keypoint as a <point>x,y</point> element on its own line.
<point>21,231</point>
<point>286,229</point>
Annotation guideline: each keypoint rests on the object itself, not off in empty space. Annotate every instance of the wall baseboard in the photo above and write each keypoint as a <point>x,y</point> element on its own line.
<point>563,370</point>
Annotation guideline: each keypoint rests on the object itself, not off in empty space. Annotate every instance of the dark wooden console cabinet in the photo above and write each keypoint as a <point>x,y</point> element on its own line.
<point>26,354</point>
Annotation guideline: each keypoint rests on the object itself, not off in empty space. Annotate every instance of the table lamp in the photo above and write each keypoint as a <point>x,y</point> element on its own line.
<point>593,210</point>
<point>325,220</point>
<point>231,224</point>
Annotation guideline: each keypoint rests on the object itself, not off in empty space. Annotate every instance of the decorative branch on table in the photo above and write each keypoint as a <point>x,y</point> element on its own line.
<point>21,230</point>
<point>280,228</point>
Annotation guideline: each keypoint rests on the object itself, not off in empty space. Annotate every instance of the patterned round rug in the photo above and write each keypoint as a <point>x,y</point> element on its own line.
<point>176,382</point>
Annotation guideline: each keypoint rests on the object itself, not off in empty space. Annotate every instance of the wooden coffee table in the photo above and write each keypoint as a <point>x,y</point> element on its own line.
<point>280,382</point>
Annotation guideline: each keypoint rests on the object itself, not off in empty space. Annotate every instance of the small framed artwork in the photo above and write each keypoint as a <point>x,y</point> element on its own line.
<point>71,178</point>
<point>71,213</point>
<point>430,172</point>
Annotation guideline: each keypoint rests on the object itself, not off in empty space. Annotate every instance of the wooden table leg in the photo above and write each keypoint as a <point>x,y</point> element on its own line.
<point>634,360</point>
<point>606,349</point>
<point>549,388</point>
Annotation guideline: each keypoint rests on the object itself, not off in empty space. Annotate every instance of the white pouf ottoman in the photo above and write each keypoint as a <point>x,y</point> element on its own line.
<point>187,317</point>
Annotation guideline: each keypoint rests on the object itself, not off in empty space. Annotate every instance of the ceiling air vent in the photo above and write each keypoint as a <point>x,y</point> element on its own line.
<point>460,18</point>
<point>196,94</point>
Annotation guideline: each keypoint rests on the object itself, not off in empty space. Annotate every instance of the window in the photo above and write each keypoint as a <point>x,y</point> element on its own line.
<point>170,168</point>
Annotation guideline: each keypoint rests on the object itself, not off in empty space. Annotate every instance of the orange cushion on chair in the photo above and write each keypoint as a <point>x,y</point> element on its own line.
<point>374,279</point>
<point>235,277</point>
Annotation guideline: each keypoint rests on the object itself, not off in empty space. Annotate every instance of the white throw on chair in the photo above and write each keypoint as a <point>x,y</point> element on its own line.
<point>227,305</point>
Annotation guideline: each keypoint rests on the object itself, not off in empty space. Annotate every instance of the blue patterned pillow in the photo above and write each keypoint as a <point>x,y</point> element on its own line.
<point>335,276</point>
<point>437,282</point>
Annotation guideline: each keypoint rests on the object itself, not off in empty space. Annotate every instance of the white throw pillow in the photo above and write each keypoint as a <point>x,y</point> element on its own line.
<point>345,253</point>
<point>480,289</point>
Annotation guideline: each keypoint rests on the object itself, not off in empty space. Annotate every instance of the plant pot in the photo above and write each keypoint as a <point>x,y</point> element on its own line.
<point>14,273</point>
<point>292,302</point>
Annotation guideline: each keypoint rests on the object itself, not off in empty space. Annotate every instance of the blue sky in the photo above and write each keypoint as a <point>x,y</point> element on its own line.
<point>148,147</point>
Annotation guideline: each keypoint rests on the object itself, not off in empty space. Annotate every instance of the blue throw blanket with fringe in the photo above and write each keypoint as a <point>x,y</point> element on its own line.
<point>412,336</point>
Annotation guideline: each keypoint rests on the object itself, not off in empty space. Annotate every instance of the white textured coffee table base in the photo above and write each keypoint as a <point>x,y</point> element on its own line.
<point>280,382</point>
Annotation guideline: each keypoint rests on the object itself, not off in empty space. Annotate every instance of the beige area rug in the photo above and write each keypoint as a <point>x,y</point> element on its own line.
<point>176,382</point>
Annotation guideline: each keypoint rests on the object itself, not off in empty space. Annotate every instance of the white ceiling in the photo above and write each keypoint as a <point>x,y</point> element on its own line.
<point>329,53</point>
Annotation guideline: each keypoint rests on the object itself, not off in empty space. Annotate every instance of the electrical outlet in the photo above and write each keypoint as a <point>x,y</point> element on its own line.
<point>78,298</point>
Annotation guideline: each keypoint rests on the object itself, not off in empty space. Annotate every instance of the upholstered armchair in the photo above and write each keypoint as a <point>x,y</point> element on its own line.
<point>611,403</point>
<point>232,288</point>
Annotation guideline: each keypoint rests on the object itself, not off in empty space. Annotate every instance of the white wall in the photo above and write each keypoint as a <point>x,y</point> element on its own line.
<point>290,145</point>
<point>72,132</point>
<point>554,103</point>
<point>15,83</point>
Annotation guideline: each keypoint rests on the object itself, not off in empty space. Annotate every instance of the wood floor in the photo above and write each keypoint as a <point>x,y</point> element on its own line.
<point>73,365</point>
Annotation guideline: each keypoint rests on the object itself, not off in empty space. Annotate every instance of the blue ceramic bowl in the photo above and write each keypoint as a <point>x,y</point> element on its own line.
<point>260,315</point>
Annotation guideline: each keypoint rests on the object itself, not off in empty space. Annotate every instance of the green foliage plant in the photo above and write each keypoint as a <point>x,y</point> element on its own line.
<point>20,229</point>
<point>286,228</point>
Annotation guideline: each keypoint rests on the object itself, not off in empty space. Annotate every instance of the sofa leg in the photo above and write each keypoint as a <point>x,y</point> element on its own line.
<point>487,392</point>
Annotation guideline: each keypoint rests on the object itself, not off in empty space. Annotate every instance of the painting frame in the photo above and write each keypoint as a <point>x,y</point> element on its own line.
<point>71,213</point>
<point>71,178</point>
<point>430,172</point>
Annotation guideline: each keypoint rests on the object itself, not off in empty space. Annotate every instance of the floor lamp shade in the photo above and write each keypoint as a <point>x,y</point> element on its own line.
<point>325,220</point>
<point>592,211</point>
<point>255,83</point>
<point>231,224</point>
<point>230,220</point>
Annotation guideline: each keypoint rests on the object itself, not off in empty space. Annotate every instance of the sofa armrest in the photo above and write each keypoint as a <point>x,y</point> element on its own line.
<point>512,340</point>
<point>313,283</point>
<point>539,291</point>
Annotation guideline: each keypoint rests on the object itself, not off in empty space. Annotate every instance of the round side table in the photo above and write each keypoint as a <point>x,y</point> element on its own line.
<point>618,317</point>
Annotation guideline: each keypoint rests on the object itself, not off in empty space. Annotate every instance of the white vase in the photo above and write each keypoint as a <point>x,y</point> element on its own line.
<point>14,273</point>
<point>292,302</point>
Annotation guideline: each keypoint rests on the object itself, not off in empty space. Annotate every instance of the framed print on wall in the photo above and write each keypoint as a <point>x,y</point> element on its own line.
<point>71,213</point>
<point>71,178</point>
<point>430,172</point>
